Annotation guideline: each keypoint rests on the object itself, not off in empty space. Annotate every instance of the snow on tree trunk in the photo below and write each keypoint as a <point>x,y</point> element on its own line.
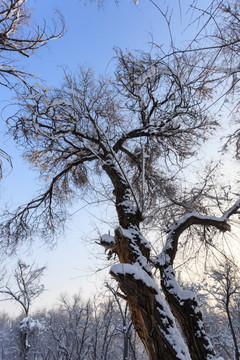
<point>183,303</point>
<point>151,316</point>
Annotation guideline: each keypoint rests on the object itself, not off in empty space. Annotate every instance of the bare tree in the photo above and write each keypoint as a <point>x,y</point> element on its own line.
<point>70,328</point>
<point>16,37</point>
<point>74,330</point>
<point>126,325</point>
<point>27,285</point>
<point>18,40</point>
<point>26,289</point>
<point>137,130</point>
<point>224,288</point>
<point>84,331</point>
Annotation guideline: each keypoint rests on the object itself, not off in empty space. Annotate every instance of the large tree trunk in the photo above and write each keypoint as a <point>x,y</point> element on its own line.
<point>151,316</point>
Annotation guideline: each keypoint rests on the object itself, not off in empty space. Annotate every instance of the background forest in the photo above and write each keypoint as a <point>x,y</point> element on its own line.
<point>102,328</point>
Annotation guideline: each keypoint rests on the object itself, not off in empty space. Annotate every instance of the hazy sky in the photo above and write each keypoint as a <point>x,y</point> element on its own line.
<point>90,38</point>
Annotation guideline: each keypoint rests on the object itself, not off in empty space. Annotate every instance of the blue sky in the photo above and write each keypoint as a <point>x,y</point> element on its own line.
<point>90,38</point>
<point>92,33</point>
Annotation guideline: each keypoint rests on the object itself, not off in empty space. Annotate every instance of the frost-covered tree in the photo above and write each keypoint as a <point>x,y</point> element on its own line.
<point>73,330</point>
<point>17,37</point>
<point>25,289</point>
<point>69,327</point>
<point>128,139</point>
<point>132,131</point>
<point>26,286</point>
<point>224,293</point>
<point>126,322</point>
<point>6,337</point>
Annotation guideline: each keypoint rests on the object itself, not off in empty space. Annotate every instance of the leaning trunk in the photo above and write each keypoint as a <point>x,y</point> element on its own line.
<point>151,316</point>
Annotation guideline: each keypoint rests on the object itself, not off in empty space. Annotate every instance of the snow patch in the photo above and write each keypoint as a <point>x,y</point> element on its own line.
<point>108,239</point>
<point>172,334</point>
<point>29,324</point>
<point>133,232</point>
<point>41,87</point>
<point>146,75</point>
<point>136,271</point>
<point>129,206</point>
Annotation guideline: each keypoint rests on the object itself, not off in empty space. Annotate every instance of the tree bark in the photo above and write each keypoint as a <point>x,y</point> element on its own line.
<point>151,316</point>
<point>185,308</point>
<point>183,303</point>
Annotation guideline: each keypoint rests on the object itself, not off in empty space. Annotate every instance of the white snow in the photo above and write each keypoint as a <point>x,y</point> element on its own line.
<point>30,324</point>
<point>60,102</point>
<point>132,233</point>
<point>108,239</point>
<point>173,336</point>
<point>146,75</point>
<point>163,258</point>
<point>137,272</point>
<point>174,288</point>
<point>129,206</point>
<point>41,87</point>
